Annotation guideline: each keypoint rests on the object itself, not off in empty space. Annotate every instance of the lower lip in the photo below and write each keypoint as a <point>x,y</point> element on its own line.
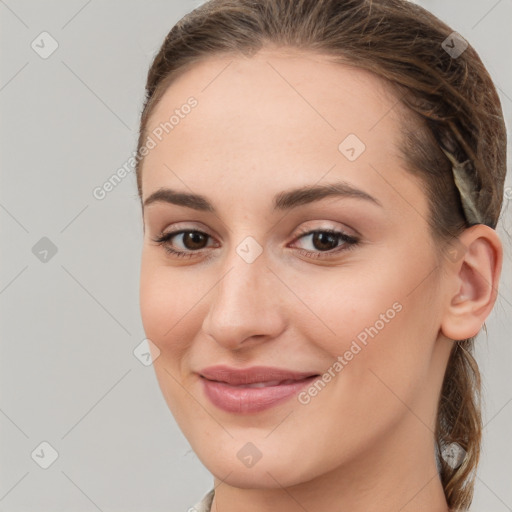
<point>244,400</point>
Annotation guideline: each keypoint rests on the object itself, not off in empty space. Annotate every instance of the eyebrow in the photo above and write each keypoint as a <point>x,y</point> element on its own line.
<point>285,200</point>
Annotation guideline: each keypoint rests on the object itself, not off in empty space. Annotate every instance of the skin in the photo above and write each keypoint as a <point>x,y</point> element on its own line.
<point>263,125</point>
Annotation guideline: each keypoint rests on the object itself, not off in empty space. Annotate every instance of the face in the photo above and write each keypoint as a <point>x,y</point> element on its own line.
<point>296,331</point>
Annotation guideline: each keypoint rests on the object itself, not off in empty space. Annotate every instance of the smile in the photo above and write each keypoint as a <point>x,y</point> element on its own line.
<point>253,389</point>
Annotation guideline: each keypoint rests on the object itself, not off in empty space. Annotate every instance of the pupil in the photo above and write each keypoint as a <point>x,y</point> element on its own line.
<point>329,239</point>
<point>194,238</point>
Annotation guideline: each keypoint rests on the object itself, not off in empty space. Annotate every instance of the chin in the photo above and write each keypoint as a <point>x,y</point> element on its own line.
<point>273,470</point>
<point>266,476</point>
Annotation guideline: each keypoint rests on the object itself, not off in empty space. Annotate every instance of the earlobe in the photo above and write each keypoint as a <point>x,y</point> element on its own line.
<point>473,286</point>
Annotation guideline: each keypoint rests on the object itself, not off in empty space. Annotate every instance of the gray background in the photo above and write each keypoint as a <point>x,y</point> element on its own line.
<point>69,325</point>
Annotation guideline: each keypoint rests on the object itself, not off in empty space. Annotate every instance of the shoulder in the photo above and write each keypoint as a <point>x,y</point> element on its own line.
<point>205,504</point>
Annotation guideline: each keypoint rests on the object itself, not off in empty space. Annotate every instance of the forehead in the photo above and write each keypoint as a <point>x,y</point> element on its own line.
<point>312,84</point>
<point>276,117</point>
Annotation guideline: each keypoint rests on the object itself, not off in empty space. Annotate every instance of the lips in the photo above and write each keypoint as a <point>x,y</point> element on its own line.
<point>252,389</point>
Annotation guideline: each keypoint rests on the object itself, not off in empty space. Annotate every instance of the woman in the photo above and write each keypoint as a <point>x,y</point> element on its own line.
<point>320,183</point>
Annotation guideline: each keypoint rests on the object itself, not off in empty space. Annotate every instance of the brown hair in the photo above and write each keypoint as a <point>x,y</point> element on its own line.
<point>453,101</point>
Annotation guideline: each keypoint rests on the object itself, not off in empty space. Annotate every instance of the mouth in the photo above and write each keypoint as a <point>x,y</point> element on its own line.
<point>252,389</point>
<point>266,384</point>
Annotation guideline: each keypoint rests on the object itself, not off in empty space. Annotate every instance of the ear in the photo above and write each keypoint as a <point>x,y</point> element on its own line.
<point>472,281</point>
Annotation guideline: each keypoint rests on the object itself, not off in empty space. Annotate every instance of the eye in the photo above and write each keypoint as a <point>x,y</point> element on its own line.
<point>192,240</point>
<point>327,241</point>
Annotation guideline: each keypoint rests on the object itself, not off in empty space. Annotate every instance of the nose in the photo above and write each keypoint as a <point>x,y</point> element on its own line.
<point>246,305</point>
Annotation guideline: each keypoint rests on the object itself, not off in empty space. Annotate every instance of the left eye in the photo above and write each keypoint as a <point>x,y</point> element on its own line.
<point>328,240</point>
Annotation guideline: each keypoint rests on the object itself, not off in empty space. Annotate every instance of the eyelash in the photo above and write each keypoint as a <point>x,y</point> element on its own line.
<point>350,242</point>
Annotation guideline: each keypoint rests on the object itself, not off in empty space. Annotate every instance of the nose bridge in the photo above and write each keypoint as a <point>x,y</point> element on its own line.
<point>245,301</point>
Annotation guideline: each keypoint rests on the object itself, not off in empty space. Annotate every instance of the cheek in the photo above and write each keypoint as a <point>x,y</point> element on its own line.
<point>394,299</point>
<point>380,356</point>
<point>344,306</point>
<point>379,330</point>
<point>167,299</point>
<point>167,312</point>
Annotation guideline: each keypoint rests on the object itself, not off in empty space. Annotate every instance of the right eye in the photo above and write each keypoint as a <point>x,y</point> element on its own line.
<point>192,240</point>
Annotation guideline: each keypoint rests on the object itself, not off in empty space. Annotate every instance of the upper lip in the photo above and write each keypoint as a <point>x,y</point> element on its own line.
<point>237,376</point>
